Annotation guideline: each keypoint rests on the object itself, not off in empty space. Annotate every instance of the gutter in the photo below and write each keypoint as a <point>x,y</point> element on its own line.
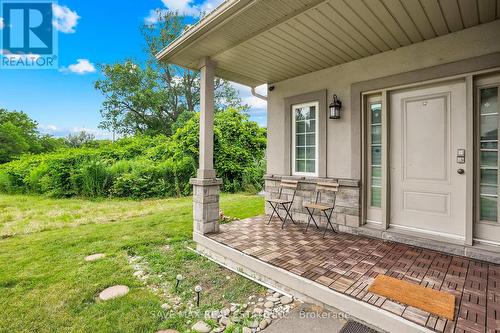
<point>256,94</point>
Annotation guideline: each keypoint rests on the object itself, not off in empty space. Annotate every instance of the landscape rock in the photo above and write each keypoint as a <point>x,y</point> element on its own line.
<point>94,257</point>
<point>246,330</point>
<point>258,311</point>
<point>277,294</point>
<point>167,331</point>
<point>269,304</point>
<point>201,327</point>
<point>273,299</point>
<point>218,329</point>
<point>263,324</point>
<point>214,315</point>
<point>225,321</point>
<point>113,292</point>
<point>286,300</point>
<point>226,312</point>
<point>166,306</point>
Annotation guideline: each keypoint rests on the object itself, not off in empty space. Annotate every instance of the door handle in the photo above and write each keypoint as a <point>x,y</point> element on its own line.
<point>460,171</point>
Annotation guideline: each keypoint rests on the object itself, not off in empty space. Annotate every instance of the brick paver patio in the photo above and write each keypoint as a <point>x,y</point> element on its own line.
<point>349,263</point>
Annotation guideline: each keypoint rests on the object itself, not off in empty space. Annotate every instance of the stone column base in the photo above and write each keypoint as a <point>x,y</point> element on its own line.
<point>206,205</point>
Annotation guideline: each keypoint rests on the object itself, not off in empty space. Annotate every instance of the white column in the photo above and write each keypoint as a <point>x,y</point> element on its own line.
<point>206,187</point>
<point>206,167</point>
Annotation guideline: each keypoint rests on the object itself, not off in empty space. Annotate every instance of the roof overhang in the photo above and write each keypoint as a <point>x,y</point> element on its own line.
<point>263,41</point>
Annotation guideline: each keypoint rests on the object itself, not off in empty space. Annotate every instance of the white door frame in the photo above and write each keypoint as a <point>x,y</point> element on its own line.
<point>477,85</point>
<point>386,199</point>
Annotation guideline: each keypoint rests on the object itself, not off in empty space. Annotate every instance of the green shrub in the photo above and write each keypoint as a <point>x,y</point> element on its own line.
<point>94,178</point>
<point>5,182</point>
<point>34,178</point>
<point>143,166</point>
<point>253,176</point>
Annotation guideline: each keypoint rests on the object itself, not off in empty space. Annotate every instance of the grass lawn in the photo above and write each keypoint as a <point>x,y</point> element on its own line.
<point>46,286</point>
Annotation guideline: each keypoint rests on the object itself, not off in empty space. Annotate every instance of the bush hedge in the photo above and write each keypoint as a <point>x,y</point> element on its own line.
<point>144,166</point>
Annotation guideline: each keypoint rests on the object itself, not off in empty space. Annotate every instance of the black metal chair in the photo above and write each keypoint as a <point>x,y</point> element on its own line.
<point>285,204</point>
<point>326,208</point>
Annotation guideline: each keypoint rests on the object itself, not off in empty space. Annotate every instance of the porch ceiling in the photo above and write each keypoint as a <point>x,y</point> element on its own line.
<point>264,41</point>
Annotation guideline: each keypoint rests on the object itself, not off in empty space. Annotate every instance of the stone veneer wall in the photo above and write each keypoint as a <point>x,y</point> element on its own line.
<point>347,209</point>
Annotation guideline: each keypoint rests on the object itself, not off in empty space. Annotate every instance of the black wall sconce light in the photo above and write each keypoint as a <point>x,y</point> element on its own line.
<point>335,107</point>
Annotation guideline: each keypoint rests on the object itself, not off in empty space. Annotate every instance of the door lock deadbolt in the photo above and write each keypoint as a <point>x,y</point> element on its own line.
<point>460,171</point>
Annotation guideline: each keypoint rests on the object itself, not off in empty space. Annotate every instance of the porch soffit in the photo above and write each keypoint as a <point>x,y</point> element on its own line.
<point>265,41</point>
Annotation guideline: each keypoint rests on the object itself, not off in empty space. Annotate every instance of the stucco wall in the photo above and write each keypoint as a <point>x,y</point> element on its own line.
<point>473,42</point>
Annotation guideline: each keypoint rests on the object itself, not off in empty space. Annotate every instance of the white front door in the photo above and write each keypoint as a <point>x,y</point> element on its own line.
<point>427,132</point>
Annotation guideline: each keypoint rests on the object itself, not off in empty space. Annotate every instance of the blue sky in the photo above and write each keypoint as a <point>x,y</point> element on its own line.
<point>91,33</point>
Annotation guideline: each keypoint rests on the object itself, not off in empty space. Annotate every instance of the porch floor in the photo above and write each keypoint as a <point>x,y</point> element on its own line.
<point>348,264</point>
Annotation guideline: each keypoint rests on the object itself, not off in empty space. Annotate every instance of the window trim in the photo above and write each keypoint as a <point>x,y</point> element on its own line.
<point>481,84</point>
<point>373,100</point>
<point>316,139</point>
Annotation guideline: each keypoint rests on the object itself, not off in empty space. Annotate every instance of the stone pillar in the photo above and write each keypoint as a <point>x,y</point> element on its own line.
<point>206,205</point>
<point>205,186</point>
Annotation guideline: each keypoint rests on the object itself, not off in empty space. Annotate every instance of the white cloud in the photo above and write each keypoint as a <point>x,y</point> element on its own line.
<point>254,102</point>
<point>247,97</point>
<point>47,128</point>
<point>1,23</point>
<point>82,66</point>
<point>153,16</point>
<point>62,132</point>
<point>258,107</point>
<point>65,19</point>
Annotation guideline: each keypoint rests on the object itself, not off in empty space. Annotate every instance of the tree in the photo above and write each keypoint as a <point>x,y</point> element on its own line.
<point>19,135</point>
<point>13,142</point>
<point>151,98</point>
<point>239,148</point>
<point>80,139</point>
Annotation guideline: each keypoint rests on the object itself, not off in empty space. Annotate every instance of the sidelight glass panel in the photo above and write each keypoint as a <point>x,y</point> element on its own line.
<point>376,172</point>
<point>376,113</point>
<point>489,127</point>
<point>487,144</point>
<point>489,103</point>
<point>376,154</point>
<point>489,177</point>
<point>376,134</point>
<point>488,160</point>
<point>376,199</point>
<point>489,208</point>
<point>305,138</point>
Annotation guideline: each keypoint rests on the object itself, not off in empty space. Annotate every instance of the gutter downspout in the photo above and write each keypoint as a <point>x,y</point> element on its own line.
<point>256,94</point>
